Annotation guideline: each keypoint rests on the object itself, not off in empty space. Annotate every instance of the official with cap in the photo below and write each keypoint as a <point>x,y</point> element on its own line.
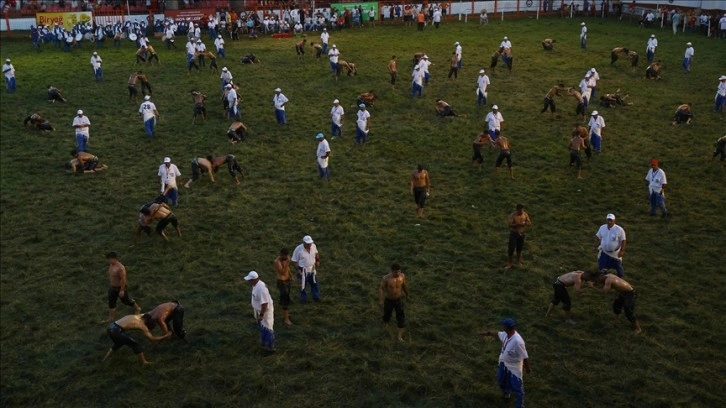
<point>81,124</point>
<point>306,259</point>
<point>264,312</point>
<point>611,241</point>
<point>513,360</point>
<point>336,119</point>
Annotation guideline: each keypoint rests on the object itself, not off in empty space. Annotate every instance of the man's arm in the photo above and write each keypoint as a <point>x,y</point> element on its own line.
<point>150,336</point>
<point>404,288</point>
<point>381,290</point>
<point>490,333</point>
<point>622,248</point>
<point>122,279</point>
<point>263,310</point>
<point>527,369</point>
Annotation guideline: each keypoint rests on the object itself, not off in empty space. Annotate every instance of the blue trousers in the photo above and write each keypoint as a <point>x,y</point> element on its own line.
<point>416,89</point>
<point>481,100</point>
<point>309,279</point>
<point>11,84</point>
<point>98,72</point>
<point>81,142</point>
<point>324,173</point>
<point>595,140</point>
<point>360,136</point>
<point>149,125</point>
<point>325,48</point>
<point>720,102</point>
<point>280,116</point>
<point>234,112</point>
<point>336,130</point>
<point>607,262</point>
<point>221,53</point>
<point>267,337</point>
<point>427,77</point>
<point>687,64</point>
<point>173,196</point>
<point>657,201</point>
<point>583,43</point>
<point>650,55</point>
<point>510,384</point>
<point>334,67</point>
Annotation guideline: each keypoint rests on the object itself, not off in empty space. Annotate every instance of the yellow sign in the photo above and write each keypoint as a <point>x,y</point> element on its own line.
<point>67,20</point>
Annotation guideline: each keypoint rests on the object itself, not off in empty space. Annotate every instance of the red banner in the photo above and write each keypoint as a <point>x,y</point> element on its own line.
<point>189,14</point>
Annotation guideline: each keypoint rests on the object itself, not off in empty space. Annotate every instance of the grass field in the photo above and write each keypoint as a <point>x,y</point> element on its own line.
<point>56,228</point>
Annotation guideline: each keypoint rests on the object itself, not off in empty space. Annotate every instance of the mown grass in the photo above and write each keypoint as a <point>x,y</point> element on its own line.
<point>56,228</point>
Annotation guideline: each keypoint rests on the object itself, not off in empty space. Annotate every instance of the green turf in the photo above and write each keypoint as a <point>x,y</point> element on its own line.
<point>56,227</point>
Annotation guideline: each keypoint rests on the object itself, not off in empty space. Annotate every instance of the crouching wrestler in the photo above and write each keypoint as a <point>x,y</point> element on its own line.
<point>118,333</point>
<point>38,122</point>
<point>169,315</point>
<point>236,132</point>
<point>85,162</point>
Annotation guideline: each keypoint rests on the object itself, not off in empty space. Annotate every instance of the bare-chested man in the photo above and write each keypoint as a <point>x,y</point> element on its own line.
<point>580,110</point>
<point>653,70</point>
<point>420,185</point>
<point>576,143</point>
<point>626,294</point>
<point>393,71</point>
<point>367,98</point>
<point>199,109</point>
<point>549,99</point>
<point>585,136</point>
<point>300,48</point>
<point>560,286</point>
<point>157,210</point>
<point>133,79</point>
<point>117,332</point>
<point>145,84</point>
<point>284,282</point>
<point>548,44</point>
<point>502,143</point>
<point>234,169</point>
<point>518,221</point>
<point>318,50</point>
<point>169,314</point>
<point>616,52</point>
<point>117,286</point>
<point>389,297</point>
<point>683,114</point>
<point>38,122</point>
<point>212,59</point>
<point>200,165</point>
<point>85,161</point>
<point>236,132</point>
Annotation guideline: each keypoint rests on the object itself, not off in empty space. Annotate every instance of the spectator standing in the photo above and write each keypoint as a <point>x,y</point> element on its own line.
<point>596,124</point>
<point>482,84</point>
<point>81,124</point>
<point>688,57</point>
<point>96,64</point>
<point>720,99</point>
<point>262,307</point>
<point>279,100</point>
<point>323,156</point>
<point>148,111</point>
<point>656,180</point>
<point>583,36</point>
<point>651,47</point>
<point>363,124</point>
<point>306,259</point>
<point>611,241</point>
<point>9,72</point>
<point>167,175</point>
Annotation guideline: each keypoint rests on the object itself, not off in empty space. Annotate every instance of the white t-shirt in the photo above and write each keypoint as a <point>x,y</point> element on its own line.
<point>722,88</point>
<point>583,32</point>
<point>219,43</point>
<point>336,115</point>
<point>191,49</point>
<point>169,174</point>
<point>96,61</point>
<point>260,296</point>
<point>505,44</point>
<point>656,180</point>
<point>232,97</point>
<point>147,109</point>
<point>611,239</point>
<point>483,82</point>
<point>418,77</point>
<point>494,120</point>
<point>323,148</point>
<point>324,37</point>
<point>424,65</point>
<point>304,258</point>
<point>8,70</point>
<point>334,54</point>
<point>513,353</point>
<point>652,44</point>
<point>362,121</point>
<point>458,52</point>
<point>596,124</point>
<point>280,100</point>
<point>226,76</point>
<point>83,121</point>
<point>689,53</point>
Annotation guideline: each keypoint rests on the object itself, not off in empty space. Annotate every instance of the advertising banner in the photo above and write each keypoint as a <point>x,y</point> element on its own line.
<point>366,5</point>
<point>65,19</point>
<point>193,15</point>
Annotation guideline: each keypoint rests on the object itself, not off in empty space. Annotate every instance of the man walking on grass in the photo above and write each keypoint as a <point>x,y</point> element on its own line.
<point>117,287</point>
<point>389,298</point>
<point>512,360</point>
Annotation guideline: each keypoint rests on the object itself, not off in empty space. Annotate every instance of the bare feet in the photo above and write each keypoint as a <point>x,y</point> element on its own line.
<point>288,322</point>
<point>508,266</point>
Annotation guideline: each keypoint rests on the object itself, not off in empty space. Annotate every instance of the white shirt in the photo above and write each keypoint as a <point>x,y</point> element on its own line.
<point>513,353</point>
<point>169,32</point>
<point>505,44</point>
<point>334,54</point>
<point>652,44</point>
<point>96,61</point>
<point>494,120</point>
<point>424,65</point>
<point>583,85</point>
<point>305,259</point>
<point>280,100</point>
<point>722,88</point>
<point>722,23</point>
<point>437,16</point>
<point>611,239</point>
<point>483,82</point>
<point>260,296</point>
<point>362,121</point>
<point>689,53</point>
<point>147,108</point>
<point>191,49</point>
<point>336,115</point>
<point>83,121</point>
<point>418,76</point>
<point>200,47</point>
<point>596,124</point>
<point>458,52</point>
<point>583,32</point>
<point>656,180</point>
<point>371,13</point>
<point>323,149</point>
<point>169,174</point>
<point>219,43</point>
<point>226,76</point>
<point>324,37</point>
<point>594,75</point>
<point>8,70</point>
<point>232,97</point>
